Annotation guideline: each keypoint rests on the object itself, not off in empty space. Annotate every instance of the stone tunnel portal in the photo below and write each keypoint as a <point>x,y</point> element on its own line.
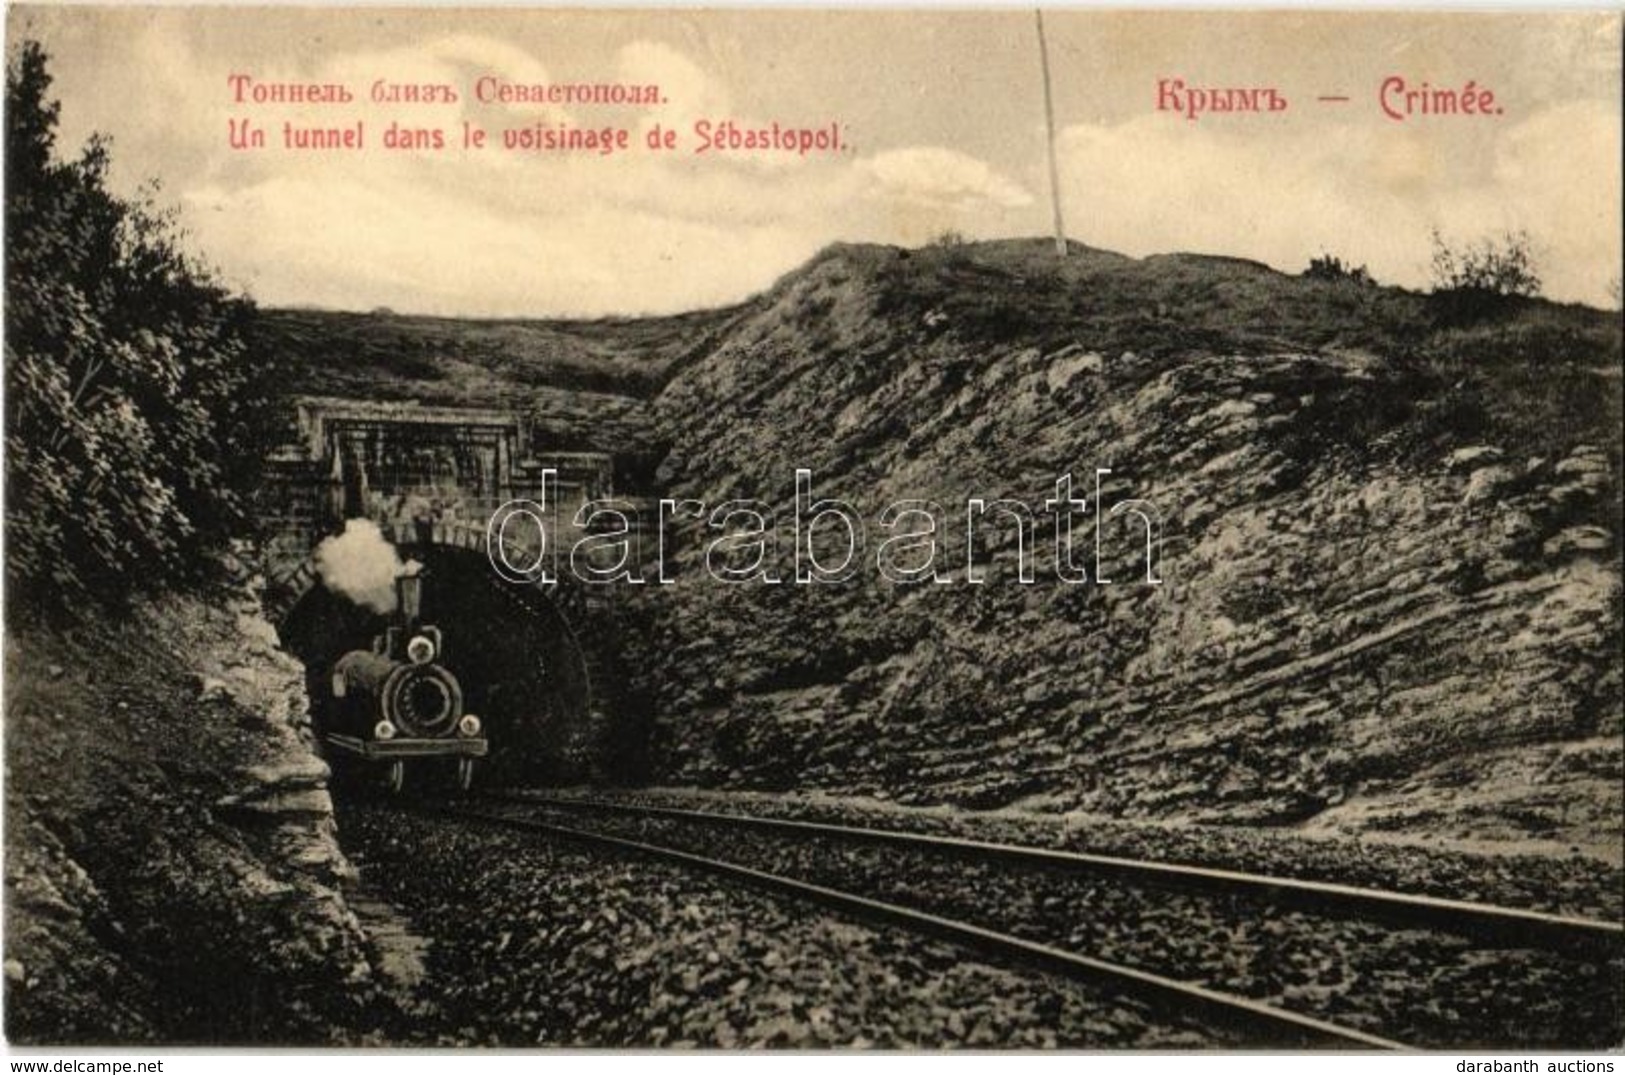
<point>533,663</point>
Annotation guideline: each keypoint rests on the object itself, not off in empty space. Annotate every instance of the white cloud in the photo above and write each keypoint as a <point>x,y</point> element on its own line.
<point>689,90</point>
<point>944,178</point>
<point>393,240</point>
<point>1371,194</point>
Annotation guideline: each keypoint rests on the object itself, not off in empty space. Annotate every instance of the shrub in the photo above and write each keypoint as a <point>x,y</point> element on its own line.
<point>133,411</point>
<point>1329,267</point>
<point>1483,277</point>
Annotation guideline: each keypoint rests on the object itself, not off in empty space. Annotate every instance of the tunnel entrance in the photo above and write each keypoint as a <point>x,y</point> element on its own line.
<point>522,666</point>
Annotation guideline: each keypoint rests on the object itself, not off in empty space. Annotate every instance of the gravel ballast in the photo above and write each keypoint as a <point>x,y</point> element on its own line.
<point>1422,986</point>
<point>530,941</point>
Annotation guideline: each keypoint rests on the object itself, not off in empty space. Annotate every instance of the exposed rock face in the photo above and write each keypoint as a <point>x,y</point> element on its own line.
<point>172,869</point>
<point>1370,616</point>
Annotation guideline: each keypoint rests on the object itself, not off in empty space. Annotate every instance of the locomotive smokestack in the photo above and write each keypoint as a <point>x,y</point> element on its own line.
<point>409,592</point>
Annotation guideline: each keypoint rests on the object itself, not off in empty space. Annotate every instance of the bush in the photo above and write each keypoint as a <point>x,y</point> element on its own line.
<point>1483,277</point>
<point>133,413</point>
<point>1328,267</point>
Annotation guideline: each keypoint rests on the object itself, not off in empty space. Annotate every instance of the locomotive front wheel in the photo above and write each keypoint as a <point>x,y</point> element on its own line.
<point>465,773</point>
<point>397,777</point>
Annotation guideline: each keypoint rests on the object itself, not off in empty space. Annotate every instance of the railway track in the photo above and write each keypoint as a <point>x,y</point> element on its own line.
<point>1488,921</point>
<point>1061,909</point>
<point>1236,1013</point>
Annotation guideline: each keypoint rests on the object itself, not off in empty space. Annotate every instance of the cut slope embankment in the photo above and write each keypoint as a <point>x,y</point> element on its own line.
<point>172,872</point>
<point>1390,560</point>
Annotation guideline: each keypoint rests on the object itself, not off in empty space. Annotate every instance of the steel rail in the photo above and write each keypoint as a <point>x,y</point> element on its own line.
<point>1514,925</point>
<point>1167,993</point>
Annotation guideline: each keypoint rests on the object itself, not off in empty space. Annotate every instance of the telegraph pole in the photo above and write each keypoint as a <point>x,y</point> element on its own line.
<point>1049,130</point>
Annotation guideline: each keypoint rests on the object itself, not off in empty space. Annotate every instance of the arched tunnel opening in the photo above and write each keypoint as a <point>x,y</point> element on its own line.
<point>521,660</point>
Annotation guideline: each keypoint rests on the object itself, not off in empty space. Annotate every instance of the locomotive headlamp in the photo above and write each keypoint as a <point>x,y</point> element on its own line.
<point>383,730</point>
<point>420,650</point>
<point>469,726</point>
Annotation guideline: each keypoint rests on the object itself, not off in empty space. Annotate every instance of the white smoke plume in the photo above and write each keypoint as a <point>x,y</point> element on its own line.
<point>361,565</point>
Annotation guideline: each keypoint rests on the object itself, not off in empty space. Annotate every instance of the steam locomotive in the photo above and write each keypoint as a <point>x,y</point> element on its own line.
<point>397,701</point>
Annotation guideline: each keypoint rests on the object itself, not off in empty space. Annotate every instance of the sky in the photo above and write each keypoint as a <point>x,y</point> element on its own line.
<point>942,120</point>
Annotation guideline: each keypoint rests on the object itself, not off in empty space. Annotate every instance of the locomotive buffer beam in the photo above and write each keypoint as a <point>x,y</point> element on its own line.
<point>461,747</point>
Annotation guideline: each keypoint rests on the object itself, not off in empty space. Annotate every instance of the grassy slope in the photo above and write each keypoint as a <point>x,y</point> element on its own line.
<point>584,383</point>
<point>449,360</point>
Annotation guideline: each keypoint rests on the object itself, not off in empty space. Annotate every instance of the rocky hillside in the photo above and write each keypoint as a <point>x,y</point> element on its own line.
<point>172,871</point>
<point>1391,595</point>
